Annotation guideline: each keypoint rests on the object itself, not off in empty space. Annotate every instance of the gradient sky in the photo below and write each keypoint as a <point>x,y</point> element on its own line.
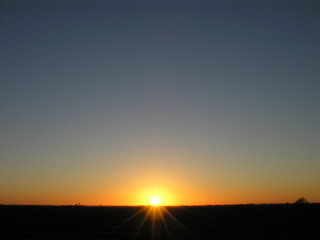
<point>200,102</point>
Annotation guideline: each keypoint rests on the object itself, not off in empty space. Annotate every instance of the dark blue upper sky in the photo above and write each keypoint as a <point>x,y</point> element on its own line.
<point>236,79</point>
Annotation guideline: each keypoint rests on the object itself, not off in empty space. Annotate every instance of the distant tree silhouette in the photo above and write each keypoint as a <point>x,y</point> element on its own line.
<point>301,201</point>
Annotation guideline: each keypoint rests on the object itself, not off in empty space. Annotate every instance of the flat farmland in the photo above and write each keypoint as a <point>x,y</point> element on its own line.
<point>287,221</point>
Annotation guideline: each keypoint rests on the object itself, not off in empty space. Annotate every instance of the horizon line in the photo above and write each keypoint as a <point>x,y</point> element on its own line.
<point>149,205</point>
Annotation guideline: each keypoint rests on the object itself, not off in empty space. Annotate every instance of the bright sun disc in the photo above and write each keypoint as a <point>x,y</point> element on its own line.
<point>155,201</point>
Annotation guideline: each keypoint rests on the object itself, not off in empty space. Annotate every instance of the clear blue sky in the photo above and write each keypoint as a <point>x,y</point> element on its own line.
<point>220,99</point>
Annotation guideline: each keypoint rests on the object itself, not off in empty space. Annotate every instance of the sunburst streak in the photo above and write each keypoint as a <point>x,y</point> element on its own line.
<point>158,217</point>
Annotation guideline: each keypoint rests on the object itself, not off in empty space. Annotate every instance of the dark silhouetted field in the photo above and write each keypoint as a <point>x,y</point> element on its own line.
<point>211,222</point>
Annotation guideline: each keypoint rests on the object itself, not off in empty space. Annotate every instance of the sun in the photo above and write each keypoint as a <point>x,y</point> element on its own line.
<point>155,201</point>
<point>155,197</point>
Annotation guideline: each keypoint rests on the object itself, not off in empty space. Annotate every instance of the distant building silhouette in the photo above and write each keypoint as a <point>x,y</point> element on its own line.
<point>301,201</point>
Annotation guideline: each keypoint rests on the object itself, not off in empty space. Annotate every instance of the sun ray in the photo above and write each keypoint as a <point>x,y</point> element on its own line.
<point>119,226</point>
<point>179,224</point>
<point>164,222</point>
<point>132,216</point>
<point>173,217</point>
<point>146,216</point>
<point>156,221</point>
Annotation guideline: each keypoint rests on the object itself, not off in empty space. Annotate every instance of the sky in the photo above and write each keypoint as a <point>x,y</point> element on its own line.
<point>196,102</point>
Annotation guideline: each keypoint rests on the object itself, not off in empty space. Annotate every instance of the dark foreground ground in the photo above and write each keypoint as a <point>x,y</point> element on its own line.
<point>217,222</point>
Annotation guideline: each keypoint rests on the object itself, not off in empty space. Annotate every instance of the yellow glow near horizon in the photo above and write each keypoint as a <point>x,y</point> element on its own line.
<point>155,201</point>
<point>155,197</point>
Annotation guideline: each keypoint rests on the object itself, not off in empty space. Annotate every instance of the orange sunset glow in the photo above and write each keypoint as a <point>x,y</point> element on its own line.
<point>159,103</point>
